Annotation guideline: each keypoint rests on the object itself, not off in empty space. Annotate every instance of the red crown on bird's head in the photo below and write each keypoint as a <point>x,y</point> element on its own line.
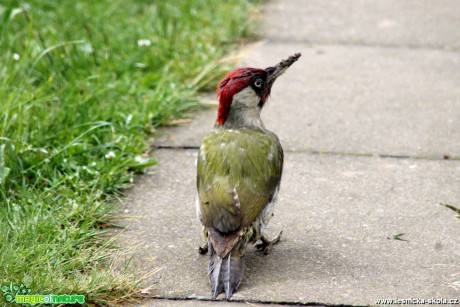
<point>240,78</point>
<point>232,84</point>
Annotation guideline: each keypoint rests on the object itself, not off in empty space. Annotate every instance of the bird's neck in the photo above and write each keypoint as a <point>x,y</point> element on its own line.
<point>243,117</point>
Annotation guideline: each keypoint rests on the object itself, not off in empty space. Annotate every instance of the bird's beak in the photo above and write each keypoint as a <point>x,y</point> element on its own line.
<point>277,70</point>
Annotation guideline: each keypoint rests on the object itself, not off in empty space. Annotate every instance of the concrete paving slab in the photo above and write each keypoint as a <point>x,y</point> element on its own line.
<point>341,218</point>
<point>365,99</point>
<point>188,134</point>
<point>198,303</point>
<point>375,78</point>
<point>410,23</point>
<point>355,99</point>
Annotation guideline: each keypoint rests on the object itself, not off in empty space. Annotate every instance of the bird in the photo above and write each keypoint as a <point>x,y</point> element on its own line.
<point>239,169</point>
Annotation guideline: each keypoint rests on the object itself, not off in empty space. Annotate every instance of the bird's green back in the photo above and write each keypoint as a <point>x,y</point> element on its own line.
<point>239,170</point>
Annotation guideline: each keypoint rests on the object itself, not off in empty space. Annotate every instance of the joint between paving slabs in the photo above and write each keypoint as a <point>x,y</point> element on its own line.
<point>446,157</point>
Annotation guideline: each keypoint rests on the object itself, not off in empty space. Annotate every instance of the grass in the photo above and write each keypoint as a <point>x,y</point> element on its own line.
<point>453,208</point>
<point>83,85</point>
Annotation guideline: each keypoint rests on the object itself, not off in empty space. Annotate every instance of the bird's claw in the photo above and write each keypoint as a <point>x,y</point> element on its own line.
<point>267,244</point>
<point>203,249</point>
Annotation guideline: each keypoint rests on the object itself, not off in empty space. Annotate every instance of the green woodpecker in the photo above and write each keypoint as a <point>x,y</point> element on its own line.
<point>238,175</point>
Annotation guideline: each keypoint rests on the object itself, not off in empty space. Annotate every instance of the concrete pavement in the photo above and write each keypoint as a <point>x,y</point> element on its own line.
<point>366,117</point>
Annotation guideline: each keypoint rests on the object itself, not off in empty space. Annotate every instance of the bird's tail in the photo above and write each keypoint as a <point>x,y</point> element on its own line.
<point>226,273</point>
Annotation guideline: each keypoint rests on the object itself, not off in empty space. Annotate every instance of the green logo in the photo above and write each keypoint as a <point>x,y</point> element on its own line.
<point>22,295</point>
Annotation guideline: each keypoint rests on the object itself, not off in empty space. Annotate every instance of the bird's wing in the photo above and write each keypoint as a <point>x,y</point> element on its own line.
<point>238,173</point>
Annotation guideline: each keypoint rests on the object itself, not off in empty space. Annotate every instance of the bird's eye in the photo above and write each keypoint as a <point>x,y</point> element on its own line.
<point>258,83</point>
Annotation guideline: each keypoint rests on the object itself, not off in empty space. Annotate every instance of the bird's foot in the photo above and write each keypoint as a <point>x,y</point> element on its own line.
<point>267,244</point>
<point>203,249</point>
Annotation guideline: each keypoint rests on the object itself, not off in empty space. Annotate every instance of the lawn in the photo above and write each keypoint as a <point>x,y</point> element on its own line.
<point>83,85</point>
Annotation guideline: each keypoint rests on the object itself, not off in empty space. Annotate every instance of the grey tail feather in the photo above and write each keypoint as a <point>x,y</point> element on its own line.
<point>225,273</point>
